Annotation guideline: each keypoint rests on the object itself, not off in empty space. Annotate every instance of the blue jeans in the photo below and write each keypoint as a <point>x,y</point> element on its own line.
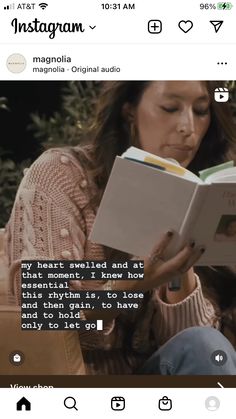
<point>189,353</point>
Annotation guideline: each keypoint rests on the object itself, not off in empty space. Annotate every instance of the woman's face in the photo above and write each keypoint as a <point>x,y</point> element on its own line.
<point>172,118</point>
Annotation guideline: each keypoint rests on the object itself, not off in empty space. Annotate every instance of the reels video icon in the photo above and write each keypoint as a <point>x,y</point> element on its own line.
<point>221,94</point>
<point>117,403</point>
<point>43,5</point>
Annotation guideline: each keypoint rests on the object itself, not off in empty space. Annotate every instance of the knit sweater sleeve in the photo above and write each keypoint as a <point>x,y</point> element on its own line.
<point>194,310</point>
<point>45,222</point>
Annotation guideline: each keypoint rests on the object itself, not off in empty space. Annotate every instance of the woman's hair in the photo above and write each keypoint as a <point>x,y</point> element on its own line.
<point>110,132</point>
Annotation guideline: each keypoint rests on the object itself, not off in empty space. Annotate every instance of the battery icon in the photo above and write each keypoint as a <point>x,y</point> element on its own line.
<point>224,6</point>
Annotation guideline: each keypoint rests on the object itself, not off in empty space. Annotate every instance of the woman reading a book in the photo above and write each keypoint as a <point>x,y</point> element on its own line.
<point>175,332</point>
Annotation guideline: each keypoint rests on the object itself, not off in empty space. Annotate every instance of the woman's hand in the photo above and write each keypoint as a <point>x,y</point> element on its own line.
<point>157,271</point>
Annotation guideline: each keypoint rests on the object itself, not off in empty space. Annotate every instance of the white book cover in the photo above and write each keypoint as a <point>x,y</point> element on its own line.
<point>134,213</point>
<point>141,203</point>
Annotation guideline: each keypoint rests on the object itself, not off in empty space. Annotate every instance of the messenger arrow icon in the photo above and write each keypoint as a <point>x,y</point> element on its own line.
<point>217,24</point>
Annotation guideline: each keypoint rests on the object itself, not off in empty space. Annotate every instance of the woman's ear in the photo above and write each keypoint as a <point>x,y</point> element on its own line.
<point>128,112</point>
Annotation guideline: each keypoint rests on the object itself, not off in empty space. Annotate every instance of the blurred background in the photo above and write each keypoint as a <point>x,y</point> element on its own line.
<point>34,116</point>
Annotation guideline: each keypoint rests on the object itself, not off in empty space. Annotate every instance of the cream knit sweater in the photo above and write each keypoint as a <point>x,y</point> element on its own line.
<point>51,220</point>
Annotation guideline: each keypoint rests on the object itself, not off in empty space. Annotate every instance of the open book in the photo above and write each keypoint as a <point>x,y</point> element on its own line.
<point>147,195</point>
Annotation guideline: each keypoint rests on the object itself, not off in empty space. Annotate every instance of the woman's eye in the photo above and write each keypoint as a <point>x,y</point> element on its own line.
<point>202,112</point>
<point>198,112</point>
<point>169,109</point>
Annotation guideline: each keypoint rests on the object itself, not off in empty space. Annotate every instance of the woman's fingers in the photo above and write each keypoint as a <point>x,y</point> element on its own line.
<point>165,271</point>
<point>174,265</point>
<point>196,254</point>
<point>159,248</point>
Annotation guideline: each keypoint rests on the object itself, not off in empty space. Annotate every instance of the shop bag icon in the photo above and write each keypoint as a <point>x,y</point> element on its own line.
<point>165,403</point>
<point>16,358</point>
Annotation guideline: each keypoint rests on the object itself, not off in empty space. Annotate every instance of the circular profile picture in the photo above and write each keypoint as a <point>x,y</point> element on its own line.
<point>16,63</point>
<point>212,403</point>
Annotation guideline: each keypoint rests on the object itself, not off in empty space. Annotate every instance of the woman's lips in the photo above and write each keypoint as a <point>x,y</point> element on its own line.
<point>180,147</point>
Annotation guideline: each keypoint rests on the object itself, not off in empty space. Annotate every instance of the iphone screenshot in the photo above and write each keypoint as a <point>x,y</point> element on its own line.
<point>117,208</point>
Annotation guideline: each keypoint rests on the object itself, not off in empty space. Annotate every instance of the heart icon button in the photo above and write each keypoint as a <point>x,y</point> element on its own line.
<point>185,25</point>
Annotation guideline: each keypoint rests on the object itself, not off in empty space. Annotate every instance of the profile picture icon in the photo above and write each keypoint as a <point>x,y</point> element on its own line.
<point>226,229</point>
<point>16,63</point>
<point>212,403</point>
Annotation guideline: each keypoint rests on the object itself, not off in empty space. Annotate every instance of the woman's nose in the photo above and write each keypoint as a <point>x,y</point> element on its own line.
<point>186,123</point>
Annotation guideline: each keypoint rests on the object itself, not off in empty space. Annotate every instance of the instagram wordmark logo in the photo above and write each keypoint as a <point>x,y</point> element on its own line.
<point>51,28</point>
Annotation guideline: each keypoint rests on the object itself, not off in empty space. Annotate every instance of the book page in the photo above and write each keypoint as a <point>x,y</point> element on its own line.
<point>216,171</point>
<point>225,175</point>
<point>139,205</point>
<point>170,165</point>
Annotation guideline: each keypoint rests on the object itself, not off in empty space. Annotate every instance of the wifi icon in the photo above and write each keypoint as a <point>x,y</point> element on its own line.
<point>43,5</point>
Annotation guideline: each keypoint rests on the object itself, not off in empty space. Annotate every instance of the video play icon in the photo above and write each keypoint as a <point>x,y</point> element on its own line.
<point>217,24</point>
<point>117,403</point>
<point>221,94</point>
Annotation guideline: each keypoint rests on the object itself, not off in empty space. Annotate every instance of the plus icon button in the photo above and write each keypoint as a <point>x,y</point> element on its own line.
<point>154,26</point>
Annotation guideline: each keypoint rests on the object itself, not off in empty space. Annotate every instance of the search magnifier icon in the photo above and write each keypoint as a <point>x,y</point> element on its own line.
<point>70,403</point>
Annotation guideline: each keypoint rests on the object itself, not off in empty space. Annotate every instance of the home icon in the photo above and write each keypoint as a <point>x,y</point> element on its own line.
<point>23,404</point>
